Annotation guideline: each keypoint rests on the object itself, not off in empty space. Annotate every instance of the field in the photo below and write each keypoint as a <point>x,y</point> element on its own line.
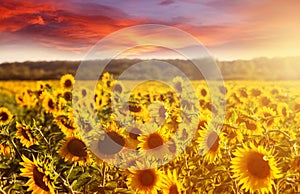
<point>166,139</point>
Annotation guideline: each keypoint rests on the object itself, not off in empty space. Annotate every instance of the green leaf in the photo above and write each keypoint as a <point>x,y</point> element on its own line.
<point>82,180</point>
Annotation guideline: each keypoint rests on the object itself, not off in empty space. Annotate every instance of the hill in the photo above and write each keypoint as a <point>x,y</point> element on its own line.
<point>255,69</point>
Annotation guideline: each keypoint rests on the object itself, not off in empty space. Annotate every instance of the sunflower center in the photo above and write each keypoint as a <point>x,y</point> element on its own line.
<point>201,124</point>
<point>265,101</point>
<point>83,92</point>
<point>118,88</point>
<point>250,126</point>
<point>256,92</point>
<point>162,112</point>
<point>77,147</point>
<point>134,107</point>
<point>134,133</point>
<point>51,104</point>
<point>213,141</point>
<point>38,179</point>
<point>67,124</point>
<point>203,92</point>
<point>111,144</point>
<point>147,178</point>
<point>3,116</point>
<point>116,138</point>
<point>154,141</point>
<point>284,112</point>
<point>258,166</point>
<point>244,94</point>
<point>173,189</point>
<point>24,134</point>
<point>68,96</point>
<point>178,87</point>
<point>297,107</point>
<point>68,83</point>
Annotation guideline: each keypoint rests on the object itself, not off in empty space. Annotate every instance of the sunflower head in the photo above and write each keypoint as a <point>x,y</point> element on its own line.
<point>67,81</point>
<point>75,150</point>
<point>210,143</point>
<point>25,135</point>
<point>145,181</point>
<point>172,185</point>
<point>39,181</point>
<point>255,168</point>
<point>5,116</point>
<point>66,123</point>
<point>49,103</point>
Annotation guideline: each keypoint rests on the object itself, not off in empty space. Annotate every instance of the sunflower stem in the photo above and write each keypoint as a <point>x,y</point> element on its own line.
<point>103,172</point>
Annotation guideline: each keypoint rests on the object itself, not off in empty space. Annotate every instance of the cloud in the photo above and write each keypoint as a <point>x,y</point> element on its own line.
<point>71,28</point>
<point>166,2</point>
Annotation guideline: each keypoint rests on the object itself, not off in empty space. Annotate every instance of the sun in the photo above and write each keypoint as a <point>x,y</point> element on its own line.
<point>38,180</point>
<point>255,169</point>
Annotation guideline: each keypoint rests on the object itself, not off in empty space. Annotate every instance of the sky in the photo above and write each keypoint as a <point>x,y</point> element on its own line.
<point>48,30</point>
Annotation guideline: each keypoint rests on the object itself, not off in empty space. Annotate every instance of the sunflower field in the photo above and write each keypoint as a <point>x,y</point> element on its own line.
<point>45,148</point>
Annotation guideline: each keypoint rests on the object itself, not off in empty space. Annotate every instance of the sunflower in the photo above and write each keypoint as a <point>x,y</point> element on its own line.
<point>242,94</point>
<point>38,180</point>
<point>172,184</point>
<point>109,144</point>
<point>283,111</point>
<point>132,134</point>
<point>49,103</point>
<point>255,168</point>
<point>255,92</point>
<point>137,110</point>
<point>232,133</point>
<point>268,116</point>
<point>25,135</point>
<point>146,181</point>
<point>264,101</point>
<point>74,150</point>
<point>203,92</point>
<point>178,85</point>
<point>5,116</point>
<point>158,112</point>
<point>4,150</point>
<point>154,141</point>
<point>117,87</point>
<point>66,124</point>
<point>67,81</point>
<point>210,143</point>
<point>250,126</point>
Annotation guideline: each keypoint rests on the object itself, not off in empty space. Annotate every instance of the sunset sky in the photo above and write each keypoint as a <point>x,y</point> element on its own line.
<point>66,29</point>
